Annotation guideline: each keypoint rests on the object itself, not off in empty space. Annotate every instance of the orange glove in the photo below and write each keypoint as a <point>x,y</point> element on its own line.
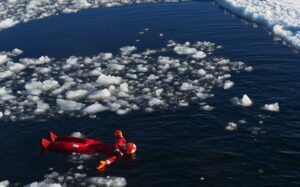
<point>102,165</point>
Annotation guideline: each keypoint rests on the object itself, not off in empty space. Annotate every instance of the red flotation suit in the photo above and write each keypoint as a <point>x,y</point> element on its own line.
<point>91,146</point>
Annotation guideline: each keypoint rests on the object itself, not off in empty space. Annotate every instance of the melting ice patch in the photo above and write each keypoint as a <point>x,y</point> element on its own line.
<point>123,82</point>
<point>13,12</point>
<point>281,17</point>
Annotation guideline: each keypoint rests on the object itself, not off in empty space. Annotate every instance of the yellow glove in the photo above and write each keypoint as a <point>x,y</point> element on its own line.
<point>102,165</point>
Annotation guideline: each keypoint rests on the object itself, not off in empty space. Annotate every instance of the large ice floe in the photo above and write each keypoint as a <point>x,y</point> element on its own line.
<point>170,77</point>
<point>13,12</point>
<point>280,16</point>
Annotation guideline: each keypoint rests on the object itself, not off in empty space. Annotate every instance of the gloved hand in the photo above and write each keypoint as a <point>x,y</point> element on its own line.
<point>102,165</point>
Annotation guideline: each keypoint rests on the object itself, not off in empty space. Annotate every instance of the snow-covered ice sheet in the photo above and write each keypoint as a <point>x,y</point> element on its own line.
<point>168,77</point>
<point>13,12</point>
<point>280,16</point>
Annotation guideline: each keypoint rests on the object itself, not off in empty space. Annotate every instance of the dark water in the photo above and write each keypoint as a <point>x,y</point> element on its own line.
<point>175,148</point>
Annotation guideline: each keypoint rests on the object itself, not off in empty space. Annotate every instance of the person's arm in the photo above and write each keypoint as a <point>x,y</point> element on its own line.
<point>104,163</point>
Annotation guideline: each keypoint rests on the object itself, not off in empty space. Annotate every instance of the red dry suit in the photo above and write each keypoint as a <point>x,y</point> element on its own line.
<point>118,152</point>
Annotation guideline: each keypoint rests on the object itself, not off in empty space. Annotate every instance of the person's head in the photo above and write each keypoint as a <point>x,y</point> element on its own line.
<point>118,133</point>
<point>130,151</point>
<point>130,148</point>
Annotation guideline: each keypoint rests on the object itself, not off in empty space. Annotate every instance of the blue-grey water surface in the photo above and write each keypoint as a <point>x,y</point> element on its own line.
<point>175,147</point>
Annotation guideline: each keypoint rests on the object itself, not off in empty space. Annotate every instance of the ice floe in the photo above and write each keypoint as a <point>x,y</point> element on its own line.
<point>130,80</point>
<point>244,101</point>
<point>281,17</point>
<point>13,12</point>
<point>231,126</point>
<point>274,107</point>
<point>4,183</point>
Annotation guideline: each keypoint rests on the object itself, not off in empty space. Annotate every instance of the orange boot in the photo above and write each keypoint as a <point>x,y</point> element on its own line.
<point>102,165</point>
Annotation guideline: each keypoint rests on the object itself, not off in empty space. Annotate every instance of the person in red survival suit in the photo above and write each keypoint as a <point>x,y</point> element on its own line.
<point>122,150</point>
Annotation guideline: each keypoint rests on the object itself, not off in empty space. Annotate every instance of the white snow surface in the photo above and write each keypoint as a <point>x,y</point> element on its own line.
<point>280,16</point>
<point>13,12</point>
<point>148,80</point>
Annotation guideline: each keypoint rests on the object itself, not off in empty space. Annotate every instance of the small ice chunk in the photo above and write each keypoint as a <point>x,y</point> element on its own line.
<point>228,85</point>
<point>17,51</point>
<point>141,68</point>
<point>186,86</point>
<point>69,105</point>
<point>245,101</point>
<point>242,121</point>
<point>127,50</point>
<point>41,108</point>
<point>1,115</point>
<point>271,107</point>
<point>184,50</point>
<point>155,102</point>
<point>124,87</point>
<point>106,181</point>
<point>50,85</point>
<point>116,67</point>
<point>77,134</point>
<point>100,95</point>
<point>94,108</point>
<point>152,77</point>
<point>6,74</point>
<point>4,183</point>
<point>201,72</point>
<point>76,94</point>
<point>207,108</point>
<point>249,69</point>
<point>43,184</point>
<point>3,59</point>
<point>96,72</point>
<point>231,126</point>
<point>199,55</point>
<point>16,67</point>
<point>7,23</point>
<point>106,80</point>
<point>158,92</point>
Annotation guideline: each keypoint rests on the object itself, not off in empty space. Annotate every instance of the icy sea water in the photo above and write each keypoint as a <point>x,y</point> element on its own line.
<point>181,147</point>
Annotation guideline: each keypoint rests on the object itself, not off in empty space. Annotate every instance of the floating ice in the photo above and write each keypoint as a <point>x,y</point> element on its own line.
<point>185,50</point>
<point>7,23</point>
<point>147,80</point>
<point>281,17</point>
<point>244,101</point>
<point>231,126</point>
<point>13,12</point>
<point>77,134</point>
<point>106,80</point>
<point>69,105</point>
<point>108,181</point>
<point>4,183</point>
<point>199,55</point>
<point>95,108</point>
<point>228,85</point>
<point>271,107</point>
<point>76,94</point>
<point>3,59</point>
<point>43,184</point>
<point>207,108</point>
<point>75,178</point>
